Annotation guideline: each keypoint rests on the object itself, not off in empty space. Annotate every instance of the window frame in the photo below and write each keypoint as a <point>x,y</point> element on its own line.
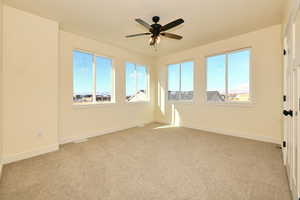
<point>194,79</point>
<point>148,82</point>
<point>251,101</point>
<point>94,102</point>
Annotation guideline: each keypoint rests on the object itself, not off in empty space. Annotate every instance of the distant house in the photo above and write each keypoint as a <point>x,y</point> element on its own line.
<point>81,98</point>
<point>139,96</point>
<point>180,95</point>
<point>214,96</point>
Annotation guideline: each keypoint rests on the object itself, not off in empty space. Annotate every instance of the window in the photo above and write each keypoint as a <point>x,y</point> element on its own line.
<point>136,83</point>
<point>228,77</point>
<point>92,78</point>
<point>181,81</point>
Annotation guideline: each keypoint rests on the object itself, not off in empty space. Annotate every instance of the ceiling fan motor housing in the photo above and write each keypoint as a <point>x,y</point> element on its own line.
<point>156,28</point>
<point>155,19</point>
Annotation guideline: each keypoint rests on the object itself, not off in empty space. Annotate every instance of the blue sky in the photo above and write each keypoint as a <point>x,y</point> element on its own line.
<point>216,73</point>
<point>83,75</point>
<point>103,75</point>
<point>238,72</point>
<point>186,77</point>
<point>136,78</point>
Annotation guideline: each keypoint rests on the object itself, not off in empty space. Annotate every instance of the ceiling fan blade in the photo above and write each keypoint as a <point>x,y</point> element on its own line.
<point>143,23</point>
<point>172,24</point>
<point>171,35</point>
<point>139,34</point>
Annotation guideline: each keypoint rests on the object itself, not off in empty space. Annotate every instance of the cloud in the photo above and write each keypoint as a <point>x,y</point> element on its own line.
<point>84,69</point>
<point>138,74</point>
<point>132,75</point>
<point>241,88</point>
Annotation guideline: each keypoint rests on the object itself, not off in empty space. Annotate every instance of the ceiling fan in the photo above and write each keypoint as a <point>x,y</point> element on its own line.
<point>156,30</point>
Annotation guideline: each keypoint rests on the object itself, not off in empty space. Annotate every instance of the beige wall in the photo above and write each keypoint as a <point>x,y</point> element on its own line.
<point>37,88</point>
<point>262,120</point>
<point>77,122</point>
<point>30,84</point>
<point>37,91</point>
<point>1,132</point>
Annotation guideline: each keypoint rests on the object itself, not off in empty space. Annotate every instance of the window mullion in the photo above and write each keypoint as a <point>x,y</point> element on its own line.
<point>136,80</point>
<point>94,79</point>
<point>180,77</point>
<point>226,78</point>
<point>180,81</point>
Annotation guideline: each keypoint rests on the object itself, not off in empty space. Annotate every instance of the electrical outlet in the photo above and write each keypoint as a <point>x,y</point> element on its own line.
<point>39,133</point>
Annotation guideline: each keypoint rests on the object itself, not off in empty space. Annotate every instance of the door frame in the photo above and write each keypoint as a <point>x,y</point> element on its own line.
<point>285,102</point>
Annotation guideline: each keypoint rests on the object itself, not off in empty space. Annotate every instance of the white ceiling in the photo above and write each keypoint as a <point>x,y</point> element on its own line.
<point>110,20</point>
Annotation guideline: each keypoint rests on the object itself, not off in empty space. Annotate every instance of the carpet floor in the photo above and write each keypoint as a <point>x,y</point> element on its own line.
<point>155,162</point>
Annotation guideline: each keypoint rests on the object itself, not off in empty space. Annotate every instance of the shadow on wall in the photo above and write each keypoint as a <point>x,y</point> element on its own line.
<point>161,98</point>
<point>161,95</point>
<point>175,116</point>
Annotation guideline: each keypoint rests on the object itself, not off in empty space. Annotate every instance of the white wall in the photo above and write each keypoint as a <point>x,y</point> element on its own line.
<point>288,9</point>
<point>37,88</point>
<point>289,12</point>
<point>83,121</point>
<point>1,135</point>
<point>30,84</point>
<point>262,120</point>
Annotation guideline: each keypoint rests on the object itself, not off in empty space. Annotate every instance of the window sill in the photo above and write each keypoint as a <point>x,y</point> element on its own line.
<point>138,102</point>
<point>181,102</point>
<point>88,105</point>
<point>232,104</point>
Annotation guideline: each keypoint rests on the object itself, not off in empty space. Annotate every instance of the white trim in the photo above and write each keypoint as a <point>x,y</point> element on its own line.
<point>43,150</point>
<point>235,134</point>
<point>29,154</point>
<point>1,166</point>
<point>285,103</point>
<point>181,102</point>
<point>88,105</point>
<point>137,102</point>
<point>167,81</point>
<point>148,94</point>
<point>233,104</point>
<point>226,79</point>
<point>251,81</point>
<point>94,77</point>
<point>95,134</point>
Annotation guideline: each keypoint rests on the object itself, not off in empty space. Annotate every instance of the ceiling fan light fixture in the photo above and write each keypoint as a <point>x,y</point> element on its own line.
<point>156,30</point>
<point>154,40</point>
<point>158,40</point>
<point>151,40</point>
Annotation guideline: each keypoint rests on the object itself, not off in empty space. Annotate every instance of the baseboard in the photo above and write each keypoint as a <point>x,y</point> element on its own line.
<point>241,135</point>
<point>29,154</point>
<point>95,134</point>
<point>55,147</point>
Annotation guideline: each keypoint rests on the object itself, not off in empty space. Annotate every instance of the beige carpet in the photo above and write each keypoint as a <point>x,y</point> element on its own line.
<point>151,163</point>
